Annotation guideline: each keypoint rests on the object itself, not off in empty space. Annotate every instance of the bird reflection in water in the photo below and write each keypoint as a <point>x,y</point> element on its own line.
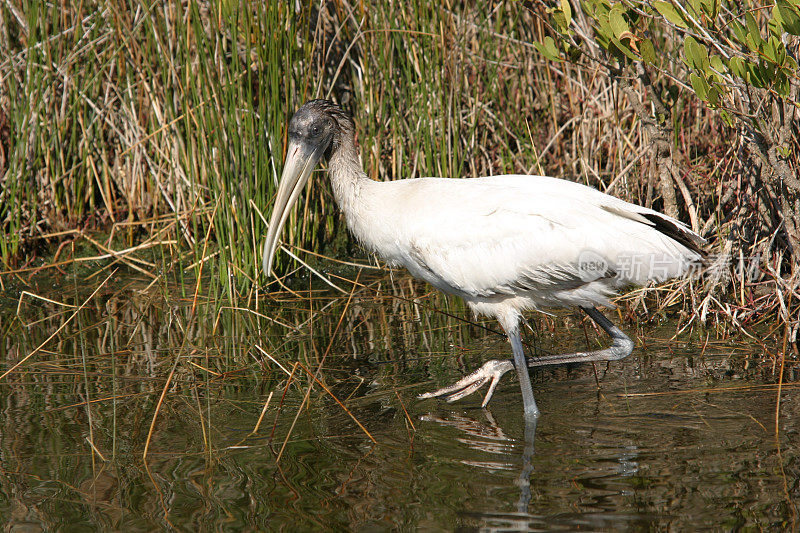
<point>489,437</point>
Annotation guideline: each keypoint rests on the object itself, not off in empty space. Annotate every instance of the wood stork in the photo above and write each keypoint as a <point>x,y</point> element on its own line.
<point>505,244</point>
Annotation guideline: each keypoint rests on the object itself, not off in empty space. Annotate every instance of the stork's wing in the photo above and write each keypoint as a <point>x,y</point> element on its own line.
<point>502,235</point>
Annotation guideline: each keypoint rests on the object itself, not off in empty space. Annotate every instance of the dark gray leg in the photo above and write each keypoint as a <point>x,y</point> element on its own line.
<point>528,402</point>
<point>493,370</point>
<point>621,345</point>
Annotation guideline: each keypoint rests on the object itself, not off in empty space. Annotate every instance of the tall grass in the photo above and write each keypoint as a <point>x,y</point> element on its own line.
<point>122,113</point>
<point>126,112</point>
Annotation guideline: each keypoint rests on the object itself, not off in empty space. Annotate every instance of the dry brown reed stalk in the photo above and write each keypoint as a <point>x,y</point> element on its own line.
<point>283,396</point>
<point>58,330</point>
<point>255,313</point>
<point>714,390</point>
<point>405,411</point>
<point>294,420</point>
<point>161,499</point>
<point>263,412</point>
<point>338,401</point>
<point>158,405</point>
<point>95,450</point>
<point>315,378</point>
<point>202,255</point>
<point>118,255</point>
<point>32,295</point>
<point>415,301</point>
<point>98,400</point>
<point>332,259</point>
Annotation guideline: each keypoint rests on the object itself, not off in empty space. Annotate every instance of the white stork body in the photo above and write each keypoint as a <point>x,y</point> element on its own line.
<point>504,244</point>
<point>508,240</point>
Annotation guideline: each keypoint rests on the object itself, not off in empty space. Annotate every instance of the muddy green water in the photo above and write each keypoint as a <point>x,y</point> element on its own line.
<point>680,436</point>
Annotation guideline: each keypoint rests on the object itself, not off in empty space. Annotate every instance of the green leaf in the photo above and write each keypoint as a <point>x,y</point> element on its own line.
<point>616,19</point>
<point>702,52</point>
<point>775,50</point>
<point>790,17</point>
<point>603,40</point>
<point>754,41</point>
<point>560,22</point>
<point>700,86</point>
<point>669,12</point>
<point>782,86</point>
<point>752,25</point>
<point>567,9</point>
<point>726,117</point>
<point>713,96</point>
<point>774,25</point>
<point>626,50</point>
<point>738,31</point>
<point>716,69</point>
<point>688,51</point>
<point>755,75</point>
<point>737,66</point>
<point>781,59</point>
<point>548,49</point>
<point>696,54</point>
<point>710,8</point>
<point>770,49</point>
<point>604,30</point>
<point>695,6</point>
<point>648,51</point>
<point>590,7</point>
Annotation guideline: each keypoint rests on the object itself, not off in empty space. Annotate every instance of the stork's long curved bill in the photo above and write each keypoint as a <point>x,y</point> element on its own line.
<point>301,160</point>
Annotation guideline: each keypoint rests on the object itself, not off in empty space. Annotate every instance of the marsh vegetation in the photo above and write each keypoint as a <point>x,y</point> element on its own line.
<point>151,377</point>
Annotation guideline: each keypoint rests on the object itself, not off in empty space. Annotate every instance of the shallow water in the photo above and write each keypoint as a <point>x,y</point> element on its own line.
<point>679,436</point>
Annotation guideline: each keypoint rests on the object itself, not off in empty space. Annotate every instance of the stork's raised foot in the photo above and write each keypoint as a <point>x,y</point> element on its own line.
<point>490,372</point>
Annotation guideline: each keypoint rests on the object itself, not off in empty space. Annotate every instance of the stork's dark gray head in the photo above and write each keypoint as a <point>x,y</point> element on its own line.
<point>316,130</point>
<point>320,124</point>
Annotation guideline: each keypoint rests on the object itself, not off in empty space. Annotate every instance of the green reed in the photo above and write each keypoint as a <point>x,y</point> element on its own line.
<point>134,111</point>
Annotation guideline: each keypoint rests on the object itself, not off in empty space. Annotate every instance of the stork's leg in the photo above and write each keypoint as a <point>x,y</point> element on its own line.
<point>528,402</point>
<point>621,345</point>
<point>493,370</point>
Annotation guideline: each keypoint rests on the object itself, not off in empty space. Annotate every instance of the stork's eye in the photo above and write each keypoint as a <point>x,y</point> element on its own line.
<point>315,130</point>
